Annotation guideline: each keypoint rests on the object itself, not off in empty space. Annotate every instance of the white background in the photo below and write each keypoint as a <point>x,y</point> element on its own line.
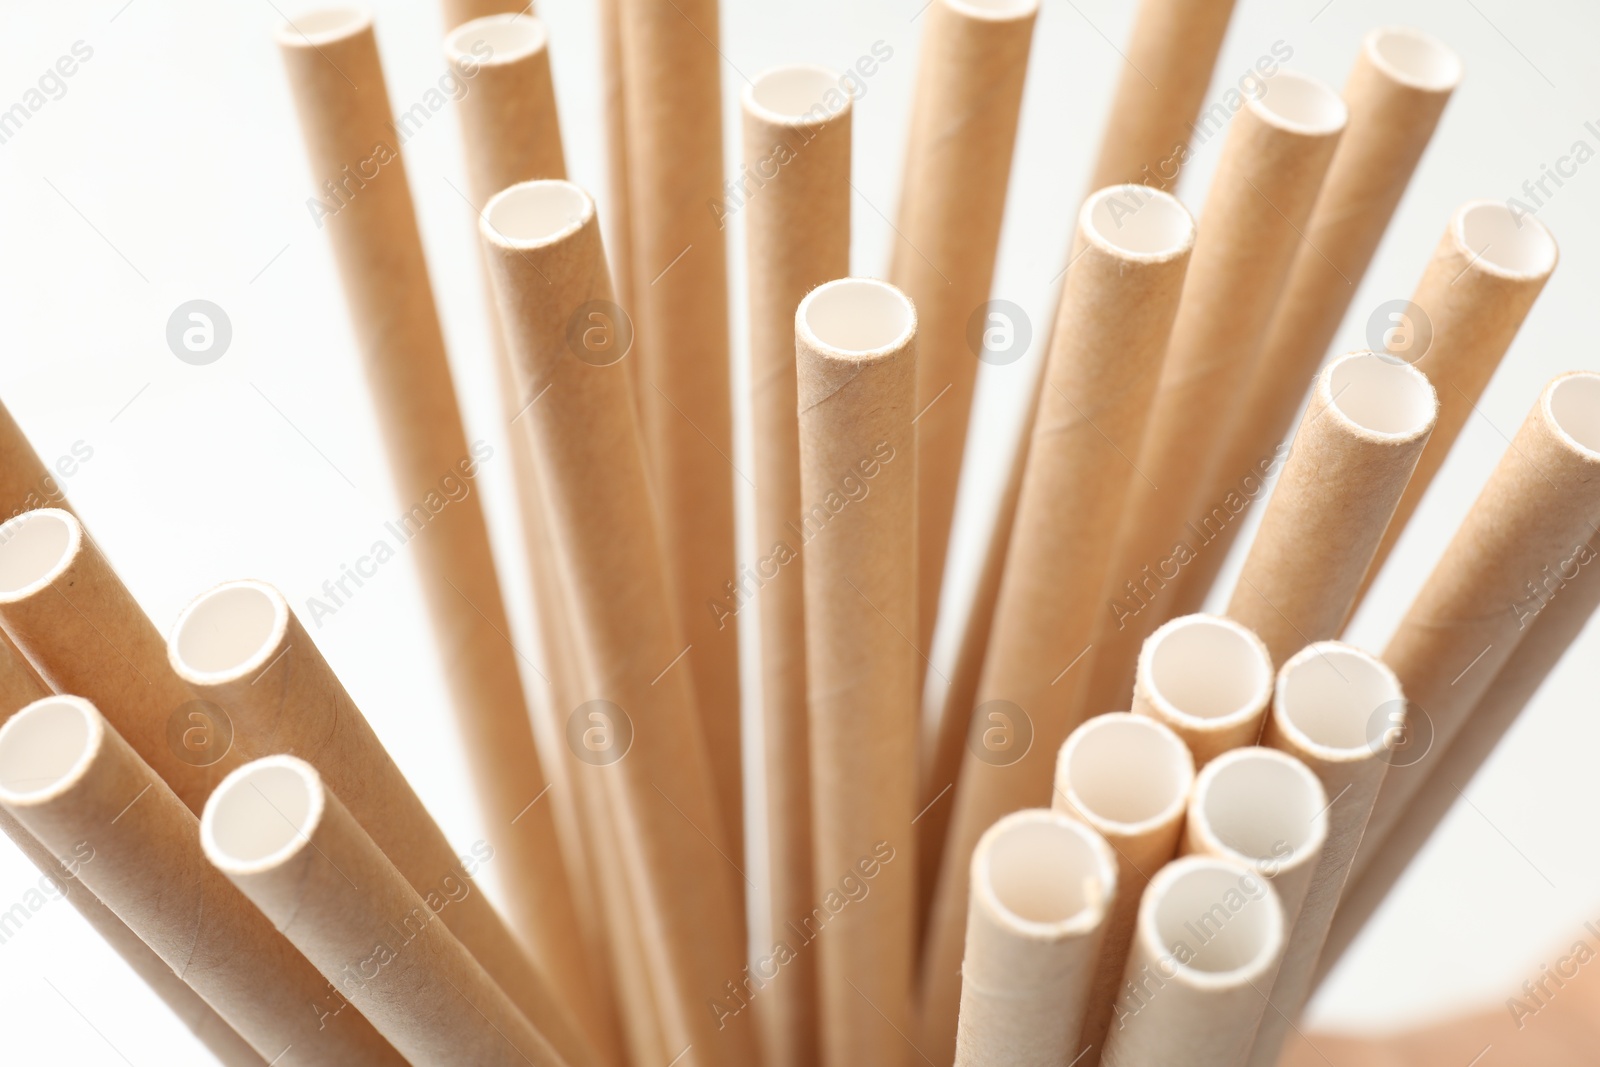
<point>172,169</point>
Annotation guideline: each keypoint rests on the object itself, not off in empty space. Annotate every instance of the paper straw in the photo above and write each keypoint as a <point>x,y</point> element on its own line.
<point>1483,279</point>
<point>619,207</point>
<point>70,614</point>
<point>1396,91</point>
<point>945,731</point>
<point>1565,603</point>
<point>1129,778</point>
<point>671,83</point>
<point>337,81</point>
<point>457,12</point>
<point>1327,698</point>
<point>964,114</point>
<point>19,687</point>
<point>855,359</point>
<point>240,646</point>
<point>1209,932</point>
<point>73,782</point>
<point>797,231</point>
<point>25,482</point>
<point>1540,506</point>
<point>1368,421</point>
<point>1167,68</point>
<point>1272,165</point>
<point>1042,884</point>
<point>1209,679</point>
<point>1120,297</point>
<point>288,844</point>
<point>547,263</point>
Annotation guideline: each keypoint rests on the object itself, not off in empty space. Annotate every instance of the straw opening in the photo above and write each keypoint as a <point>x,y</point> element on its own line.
<point>1127,769</point>
<point>35,547</point>
<point>858,316</point>
<point>1490,233</point>
<point>535,213</point>
<point>262,812</point>
<point>497,38</point>
<point>1263,805</point>
<point>1300,102</point>
<point>1381,395</point>
<point>328,24</point>
<point>1208,667</point>
<point>1415,58</point>
<point>1215,918</point>
<point>228,628</point>
<point>1575,407</point>
<point>1045,869</point>
<point>44,746</point>
<point>1329,694</point>
<point>1139,221</point>
<point>994,9</point>
<point>796,94</point>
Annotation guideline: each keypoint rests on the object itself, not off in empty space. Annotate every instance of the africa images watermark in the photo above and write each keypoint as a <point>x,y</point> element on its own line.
<point>454,487</point>
<point>853,888</point>
<point>341,189</point>
<point>1549,584</point>
<point>49,887</point>
<point>853,486</point>
<point>51,85</point>
<point>1537,192</point>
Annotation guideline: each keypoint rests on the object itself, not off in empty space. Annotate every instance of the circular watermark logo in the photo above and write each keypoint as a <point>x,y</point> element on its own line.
<point>999,332</point>
<point>1400,733</point>
<point>600,333</point>
<point>199,332</point>
<point>1399,331</point>
<point>599,732</point>
<point>1001,733</point>
<point>199,733</point>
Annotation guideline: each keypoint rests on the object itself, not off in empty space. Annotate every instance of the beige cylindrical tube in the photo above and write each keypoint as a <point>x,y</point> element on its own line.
<point>547,265</point>
<point>855,362</point>
<point>964,114</point>
<point>1396,92</point>
<point>25,482</point>
<point>1129,778</point>
<point>797,228</point>
<point>1042,887</point>
<point>619,207</point>
<point>1368,421</point>
<point>1120,297</point>
<point>1485,275</point>
<point>1565,602</point>
<point>239,646</point>
<point>1330,710</point>
<point>512,133</point>
<point>288,844</point>
<point>1207,677</point>
<point>1272,165</point>
<point>457,12</point>
<point>1153,114</point>
<point>1266,810</point>
<point>77,786</point>
<point>352,144</point>
<point>19,687</point>
<point>70,614</point>
<point>1540,506</point>
<point>672,88</point>
<point>1210,931</point>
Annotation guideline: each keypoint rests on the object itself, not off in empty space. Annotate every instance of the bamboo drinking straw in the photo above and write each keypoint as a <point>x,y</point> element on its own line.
<point>1147,133</point>
<point>70,614</point>
<point>1042,884</point>
<point>1562,605</point>
<point>1208,678</point>
<point>953,193</point>
<point>1396,92</point>
<point>1368,421</point>
<point>548,266</point>
<point>672,91</point>
<point>1485,275</point>
<point>512,133</point>
<point>19,687</point>
<point>352,144</point>
<point>1120,297</point>
<point>855,361</point>
<point>1129,778</point>
<point>1265,810</point>
<point>1210,931</point>
<point>797,231</point>
<point>283,838</point>
<point>1330,711</point>
<point>70,778</point>
<point>1272,165</point>
<point>239,646</point>
<point>1541,503</point>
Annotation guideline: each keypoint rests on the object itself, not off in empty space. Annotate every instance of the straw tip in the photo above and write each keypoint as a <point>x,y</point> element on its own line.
<point>536,214</point>
<point>229,632</point>
<point>46,748</point>
<point>1413,58</point>
<point>496,40</point>
<point>262,815</point>
<point>36,547</point>
<point>323,26</point>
